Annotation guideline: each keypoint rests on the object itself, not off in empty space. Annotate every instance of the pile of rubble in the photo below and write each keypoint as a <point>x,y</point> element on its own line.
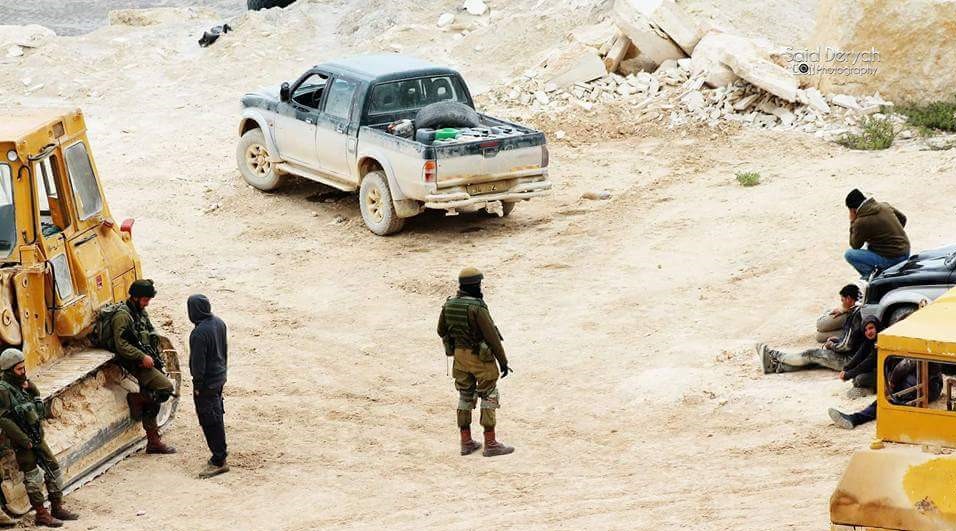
<point>655,57</point>
<point>672,95</point>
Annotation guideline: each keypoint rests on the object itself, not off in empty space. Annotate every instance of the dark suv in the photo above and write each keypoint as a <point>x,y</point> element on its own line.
<point>897,292</point>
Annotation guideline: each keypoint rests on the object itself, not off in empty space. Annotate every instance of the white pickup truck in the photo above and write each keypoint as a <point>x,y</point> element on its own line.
<point>336,123</point>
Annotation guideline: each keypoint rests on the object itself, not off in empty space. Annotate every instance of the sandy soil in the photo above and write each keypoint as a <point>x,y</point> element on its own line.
<point>637,402</point>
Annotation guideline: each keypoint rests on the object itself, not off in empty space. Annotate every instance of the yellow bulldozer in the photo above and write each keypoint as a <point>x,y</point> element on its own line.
<point>906,480</point>
<point>62,258</point>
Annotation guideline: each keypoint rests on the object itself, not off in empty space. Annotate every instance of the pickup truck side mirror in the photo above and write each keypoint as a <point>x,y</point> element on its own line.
<point>284,91</point>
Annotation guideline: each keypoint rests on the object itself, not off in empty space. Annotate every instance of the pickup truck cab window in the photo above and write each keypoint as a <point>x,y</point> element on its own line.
<point>309,92</point>
<point>410,94</point>
<point>339,101</point>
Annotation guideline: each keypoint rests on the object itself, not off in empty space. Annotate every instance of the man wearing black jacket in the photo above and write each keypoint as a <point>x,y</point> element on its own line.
<point>861,368</point>
<point>207,363</point>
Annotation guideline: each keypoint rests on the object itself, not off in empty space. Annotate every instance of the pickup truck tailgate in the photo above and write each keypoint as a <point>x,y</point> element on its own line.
<point>489,160</point>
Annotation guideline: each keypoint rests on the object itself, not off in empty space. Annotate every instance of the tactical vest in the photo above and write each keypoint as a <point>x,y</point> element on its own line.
<point>456,319</point>
<point>23,407</point>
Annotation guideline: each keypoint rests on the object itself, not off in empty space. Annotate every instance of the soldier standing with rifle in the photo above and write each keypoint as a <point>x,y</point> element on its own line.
<point>21,410</point>
<point>133,339</point>
<point>470,335</point>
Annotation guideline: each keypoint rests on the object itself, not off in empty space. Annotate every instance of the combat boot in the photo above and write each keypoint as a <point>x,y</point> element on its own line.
<point>60,512</point>
<point>468,445</point>
<point>493,447</point>
<point>136,403</point>
<point>155,444</point>
<point>44,518</point>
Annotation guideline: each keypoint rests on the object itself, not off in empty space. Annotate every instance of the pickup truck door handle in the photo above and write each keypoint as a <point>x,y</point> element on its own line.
<point>340,128</point>
<point>309,121</point>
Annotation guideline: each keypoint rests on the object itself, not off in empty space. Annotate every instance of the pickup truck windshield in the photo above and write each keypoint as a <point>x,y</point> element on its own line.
<point>8,221</point>
<point>412,94</point>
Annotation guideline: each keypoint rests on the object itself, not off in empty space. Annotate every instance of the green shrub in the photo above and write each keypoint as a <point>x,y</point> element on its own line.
<point>878,133</point>
<point>748,178</point>
<point>937,115</point>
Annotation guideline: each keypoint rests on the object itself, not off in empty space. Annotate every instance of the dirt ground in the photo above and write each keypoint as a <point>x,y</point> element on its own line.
<point>636,402</point>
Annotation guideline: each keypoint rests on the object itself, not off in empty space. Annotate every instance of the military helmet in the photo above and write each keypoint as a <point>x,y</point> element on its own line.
<point>142,288</point>
<point>470,275</point>
<point>10,358</point>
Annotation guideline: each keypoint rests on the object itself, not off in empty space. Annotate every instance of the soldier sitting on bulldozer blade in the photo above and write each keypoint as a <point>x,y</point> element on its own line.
<point>834,353</point>
<point>21,413</point>
<point>131,336</point>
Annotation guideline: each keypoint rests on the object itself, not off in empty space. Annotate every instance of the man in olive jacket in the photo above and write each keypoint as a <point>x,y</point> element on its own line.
<point>470,335</point>
<point>136,345</point>
<point>879,226</point>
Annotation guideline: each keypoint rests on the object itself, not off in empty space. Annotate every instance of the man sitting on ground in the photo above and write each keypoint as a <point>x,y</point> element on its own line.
<point>902,377</point>
<point>861,369</point>
<point>830,324</point>
<point>879,226</point>
<point>833,354</point>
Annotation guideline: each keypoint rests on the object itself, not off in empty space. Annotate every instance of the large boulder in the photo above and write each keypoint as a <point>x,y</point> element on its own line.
<point>647,36</point>
<point>722,57</point>
<point>911,45</point>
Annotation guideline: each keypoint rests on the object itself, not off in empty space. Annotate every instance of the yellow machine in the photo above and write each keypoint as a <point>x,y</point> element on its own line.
<point>62,258</point>
<point>907,480</point>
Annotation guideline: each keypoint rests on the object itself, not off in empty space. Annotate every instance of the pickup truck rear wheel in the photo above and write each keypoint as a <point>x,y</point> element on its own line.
<point>252,157</point>
<point>375,202</point>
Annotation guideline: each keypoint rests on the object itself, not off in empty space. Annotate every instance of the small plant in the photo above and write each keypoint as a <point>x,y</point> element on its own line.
<point>878,133</point>
<point>748,178</point>
<point>933,116</point>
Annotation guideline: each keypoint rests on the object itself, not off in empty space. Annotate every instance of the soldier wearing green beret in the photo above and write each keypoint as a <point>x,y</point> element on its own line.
<point>21,413</point>
<point>470,335</point>
<point>134,341</point>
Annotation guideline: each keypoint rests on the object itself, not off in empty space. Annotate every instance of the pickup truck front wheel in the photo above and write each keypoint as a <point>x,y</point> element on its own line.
<point>375,201</point>
<point>252,157</point>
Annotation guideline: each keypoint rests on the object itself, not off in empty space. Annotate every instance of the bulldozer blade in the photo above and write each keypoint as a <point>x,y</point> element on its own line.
<point>88,428</point>
<point>899,488</point>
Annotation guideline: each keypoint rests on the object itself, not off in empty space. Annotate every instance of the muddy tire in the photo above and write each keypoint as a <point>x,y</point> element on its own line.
<point>252,157</point>
<point>900,313</point>
<point>255,5</point>
<point>446,114</point>
<point>375,201</point>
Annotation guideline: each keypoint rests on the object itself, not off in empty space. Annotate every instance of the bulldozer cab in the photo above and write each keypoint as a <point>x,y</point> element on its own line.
<point>62,258</point>
<point>907,479</point>
<point>56,225</point>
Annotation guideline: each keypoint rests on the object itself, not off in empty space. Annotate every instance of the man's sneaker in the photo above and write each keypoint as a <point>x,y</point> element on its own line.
<point>213,469</point>
<point>858,392</point>
<point>766,358</point>
<point>841,420</point>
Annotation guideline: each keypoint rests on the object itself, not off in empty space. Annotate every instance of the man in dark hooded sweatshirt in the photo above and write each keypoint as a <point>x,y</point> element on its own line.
<point>207,363</point>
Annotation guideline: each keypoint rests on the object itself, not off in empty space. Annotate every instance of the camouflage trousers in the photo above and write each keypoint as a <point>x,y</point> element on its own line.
<point>152,383</point>
<point>34,478</point>
<point>475,379</point>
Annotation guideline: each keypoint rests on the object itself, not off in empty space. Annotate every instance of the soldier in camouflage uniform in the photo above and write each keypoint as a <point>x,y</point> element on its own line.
<point>135,344</point>
<point>470,335</point>
<point>21,412</point>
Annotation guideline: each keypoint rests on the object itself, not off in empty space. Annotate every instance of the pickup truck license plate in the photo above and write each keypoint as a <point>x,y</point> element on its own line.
<point>489,188</point>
